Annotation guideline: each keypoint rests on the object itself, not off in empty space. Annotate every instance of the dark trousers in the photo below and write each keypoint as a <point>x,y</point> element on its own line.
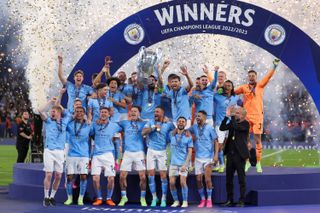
<point>235,163</point>
<point>22,153</point>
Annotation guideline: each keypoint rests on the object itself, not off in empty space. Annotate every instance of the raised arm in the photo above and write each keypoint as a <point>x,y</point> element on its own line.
<point>105,70</point>
<point>184,71</point>
<point>265,80</point>
<point>43,109</point>
<point>60,72</point>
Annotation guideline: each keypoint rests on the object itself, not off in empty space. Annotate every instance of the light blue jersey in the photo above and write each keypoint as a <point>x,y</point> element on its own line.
<point>78,139</point>
<point>180,104</point>
<point>133,140</point>
<point>136,96</point>
<point>204,138</point>
<point>118,96</point>
<point>150,100</point>
<point>95,104</point>
<point>103,135</point>
<point>81,93</point>
<point>206,100</point>
<point>179,145</point>
<point>126,90</point>
<point>56,136</point>
<point>157,140</point>
<point>221,103</point>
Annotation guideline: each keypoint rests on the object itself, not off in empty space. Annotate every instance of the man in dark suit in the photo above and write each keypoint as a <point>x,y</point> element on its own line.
<point>236,151</point>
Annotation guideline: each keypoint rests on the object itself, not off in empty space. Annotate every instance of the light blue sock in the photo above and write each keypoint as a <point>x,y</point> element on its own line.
<point>174,195</point>
<point>221,158</point>
<point>69,188</point>
<point>83,187</point>
<point>164,188</point>
<point>99,196</point>
<point>201,193</point>
<point>109,193</point>
<point>184,193</point>
<point>209,193</point>
<point>123,193</point>
<point>152,186</point>
<point>143,194</point>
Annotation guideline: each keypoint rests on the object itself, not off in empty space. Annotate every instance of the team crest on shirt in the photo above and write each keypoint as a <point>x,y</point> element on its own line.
<point>133,34</point>
<point>275,34</point>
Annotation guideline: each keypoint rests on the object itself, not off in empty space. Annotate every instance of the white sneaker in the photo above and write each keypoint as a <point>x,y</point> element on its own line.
<point>184,204</point>
<point>175,204</point>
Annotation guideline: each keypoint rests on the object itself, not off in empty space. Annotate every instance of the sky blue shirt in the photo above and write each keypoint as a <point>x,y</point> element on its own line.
<point>118,96</point>
<point>221,103</point>
<point>150,101</point>
<point>95,105</point>
<point>78,139</point>
<point>179,145</point>
<point>136,96</point>
<point>80,93</point>
<point>133,140</point>
<point>158,140</point>
<point>55,133</point>
<point>103,135</point>
<point>204,138</point>
<point>180,104</point>
<point>126,90</point>
<point>206,100</point>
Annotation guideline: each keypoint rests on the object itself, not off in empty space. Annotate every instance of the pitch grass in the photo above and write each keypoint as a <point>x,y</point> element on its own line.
<point>276,158</point>
<point>8,157</point>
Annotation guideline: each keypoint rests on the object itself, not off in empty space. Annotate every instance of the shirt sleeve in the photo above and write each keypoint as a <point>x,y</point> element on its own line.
<point>190,143</point>
<point>239,90</point>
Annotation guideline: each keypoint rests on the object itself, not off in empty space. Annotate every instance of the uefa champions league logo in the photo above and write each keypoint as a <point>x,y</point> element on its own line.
<point>133,34</point>
<point>275,34</point>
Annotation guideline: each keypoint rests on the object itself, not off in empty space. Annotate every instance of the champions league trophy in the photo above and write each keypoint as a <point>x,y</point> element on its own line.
<point>148,64</point>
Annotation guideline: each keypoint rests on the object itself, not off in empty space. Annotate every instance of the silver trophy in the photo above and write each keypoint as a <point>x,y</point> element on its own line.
<point>148,64</point>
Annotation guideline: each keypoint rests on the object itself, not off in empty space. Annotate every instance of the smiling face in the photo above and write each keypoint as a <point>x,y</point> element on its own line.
<point>135,114</point>
<point>122,77</point>
<point>201,118</point>
<point>78,78</point>
<point>181,123</point>
<point>102,92</point>
<point>227,86</point>
<point>175,83</point>
<point>113,86</point>
<point>79,113</point>
<point>222,77</point>
<point>104,114</point>
<point>204,81</point>
<point>158,114</point>
<point>252,78</point>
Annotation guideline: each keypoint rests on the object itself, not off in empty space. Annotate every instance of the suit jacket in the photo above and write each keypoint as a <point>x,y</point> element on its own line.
<point>238,134</point>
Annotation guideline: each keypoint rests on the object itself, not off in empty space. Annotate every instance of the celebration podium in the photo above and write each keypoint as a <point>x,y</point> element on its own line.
<point>276,186</point>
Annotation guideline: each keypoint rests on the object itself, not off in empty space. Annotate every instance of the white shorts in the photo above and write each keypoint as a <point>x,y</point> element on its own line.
<point>222,135</point>
<point>210,121</point>
<point>187,126</point>
<point>103,162</point>
<point>157,160</point>
<point>53,160</point>
<point>133,161</point>
<point>77,165</point>
<point>123,116</point>
<point>200,165</point>
<point>176,171</point>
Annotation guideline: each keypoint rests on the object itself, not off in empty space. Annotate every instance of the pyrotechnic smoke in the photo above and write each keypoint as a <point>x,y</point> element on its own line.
<point>49,27</point>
